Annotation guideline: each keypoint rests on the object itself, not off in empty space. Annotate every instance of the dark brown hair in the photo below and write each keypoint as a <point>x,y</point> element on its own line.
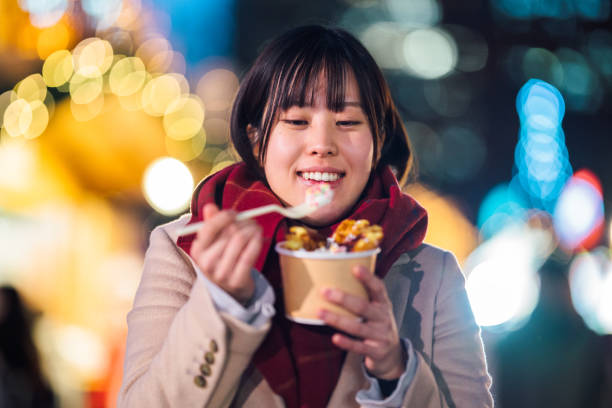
<point>285,74</point>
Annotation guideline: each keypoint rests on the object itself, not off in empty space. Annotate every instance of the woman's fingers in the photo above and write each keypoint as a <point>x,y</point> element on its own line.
<point>375,287</point>
<point>216,224</point>
<point>231,273</point>
<point>354,304</point>
<point>251,252</point>
<point>355,327</point>
<point>225,251</point>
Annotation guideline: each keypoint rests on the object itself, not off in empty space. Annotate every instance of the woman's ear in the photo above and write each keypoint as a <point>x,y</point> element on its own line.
<point>253,135</point>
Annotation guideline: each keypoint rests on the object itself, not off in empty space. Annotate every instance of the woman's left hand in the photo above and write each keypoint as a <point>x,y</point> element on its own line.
<point>376,332</point>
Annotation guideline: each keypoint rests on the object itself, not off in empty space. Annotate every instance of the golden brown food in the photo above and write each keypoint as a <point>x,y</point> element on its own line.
<point>299,237</point>
<point>349,236</point>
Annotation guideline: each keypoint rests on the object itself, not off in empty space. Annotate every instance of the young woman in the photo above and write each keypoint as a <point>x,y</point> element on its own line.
<point>208,326</point>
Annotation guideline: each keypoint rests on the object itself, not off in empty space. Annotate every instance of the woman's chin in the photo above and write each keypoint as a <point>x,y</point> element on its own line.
<point>323,217</point>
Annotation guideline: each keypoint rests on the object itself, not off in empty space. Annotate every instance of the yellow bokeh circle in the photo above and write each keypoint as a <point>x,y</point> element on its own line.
<point>159,93</point>
<point>92,57</point>
<point>39,122</point>
<point>183,118</point>
<point>127,76</point>
<point>32,88</point>
<point>58,68</point>
<point>85,89</point>
<point>17,117</point>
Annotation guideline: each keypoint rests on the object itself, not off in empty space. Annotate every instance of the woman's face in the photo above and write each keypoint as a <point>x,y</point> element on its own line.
<point>312,144</point>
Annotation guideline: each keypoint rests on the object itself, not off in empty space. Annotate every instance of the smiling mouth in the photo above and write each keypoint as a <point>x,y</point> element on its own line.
<point>320,176</point>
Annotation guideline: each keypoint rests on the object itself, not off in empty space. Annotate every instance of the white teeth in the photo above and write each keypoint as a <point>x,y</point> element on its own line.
<point>318,176</point>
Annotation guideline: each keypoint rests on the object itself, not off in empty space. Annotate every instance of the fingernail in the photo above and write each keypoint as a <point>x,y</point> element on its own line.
<point>321,314</point>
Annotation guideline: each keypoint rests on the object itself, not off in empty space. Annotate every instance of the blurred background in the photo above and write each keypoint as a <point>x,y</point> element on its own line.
<point>111,111</point>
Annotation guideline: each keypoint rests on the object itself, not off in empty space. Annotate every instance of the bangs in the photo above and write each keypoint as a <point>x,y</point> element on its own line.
<point>298,83</point>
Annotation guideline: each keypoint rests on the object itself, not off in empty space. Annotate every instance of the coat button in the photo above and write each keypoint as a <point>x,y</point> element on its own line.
<point>205,369</point>
<point>199,381</point>
<point>209,357</point>
<point>213,346</point>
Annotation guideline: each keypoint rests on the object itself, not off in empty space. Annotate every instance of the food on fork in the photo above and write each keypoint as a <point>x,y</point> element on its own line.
<point>349,236</point>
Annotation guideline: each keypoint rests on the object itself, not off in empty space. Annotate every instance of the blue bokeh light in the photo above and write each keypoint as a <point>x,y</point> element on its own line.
<point>200,29</point>
<point>554,9</point>
<point>502,206</point>
<point>541,157</point>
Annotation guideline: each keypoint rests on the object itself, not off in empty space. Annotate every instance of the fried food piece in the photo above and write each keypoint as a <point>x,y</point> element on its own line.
<point>358,235</point>
<point>344,232</point>
<point>299,237</point>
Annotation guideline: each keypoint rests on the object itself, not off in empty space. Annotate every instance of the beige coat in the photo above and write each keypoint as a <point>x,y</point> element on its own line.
<point>174,326</point>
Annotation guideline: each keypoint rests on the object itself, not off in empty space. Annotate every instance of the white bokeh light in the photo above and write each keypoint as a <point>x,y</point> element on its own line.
<point>168,185</point>
<point>578,212</point>
<point>604,312</point>
<point>590,282</point>
<point>430,53</point>
<point>502,283</point>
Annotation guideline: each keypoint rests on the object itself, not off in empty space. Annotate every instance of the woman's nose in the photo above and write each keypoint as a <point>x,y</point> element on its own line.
<point>322,140</point>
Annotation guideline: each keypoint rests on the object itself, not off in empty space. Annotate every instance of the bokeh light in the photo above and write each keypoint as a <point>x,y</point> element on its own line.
<point>92,57</point>
<point>58,68</point>
<point>84,112</point>
<point>105,12</point>
<point>430,53</point>
<point>579,212</point>
<point>127,76</point>
<point>542,64</point>
<point>599,50</point>
<point>384,41</point>
<point>52,39</point>
<point>502,283</point>
<point>44,13</point>
<point>156,53</point>
<point>217,89</point>
<point>32,88</point>
<point>416,13</point>
<point>581,86</point>
<point>529,9</point>
<point>161,91</point>
<point>40,120</point>
<point>83,349</point>
<point>167,185</point>
<point>6,98</point>
<point>502,207</point>
<point>188,149</point>
<point>217,130</point>
<point>84,89</point>
<point>183,118</point>
<point>590,280</point>
<point>17,117</point>
<point>541,157</point>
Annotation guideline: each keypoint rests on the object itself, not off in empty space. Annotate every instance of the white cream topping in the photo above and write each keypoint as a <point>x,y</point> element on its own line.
<point>318,176</point>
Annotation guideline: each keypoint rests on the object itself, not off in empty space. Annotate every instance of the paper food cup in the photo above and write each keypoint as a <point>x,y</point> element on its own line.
<point>305,273</point>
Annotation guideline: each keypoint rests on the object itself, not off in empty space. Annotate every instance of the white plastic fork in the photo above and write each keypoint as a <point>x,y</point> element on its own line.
<point>316,197</point>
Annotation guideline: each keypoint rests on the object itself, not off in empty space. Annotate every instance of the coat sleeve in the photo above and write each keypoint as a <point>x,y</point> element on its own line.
<point>456,375</point>
<point>175,334</point>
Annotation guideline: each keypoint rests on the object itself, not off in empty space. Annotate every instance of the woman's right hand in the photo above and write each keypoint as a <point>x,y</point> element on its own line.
<point>225,250</point>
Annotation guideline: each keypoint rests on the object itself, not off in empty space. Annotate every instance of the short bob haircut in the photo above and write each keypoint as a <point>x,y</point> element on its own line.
<point>285,75</point>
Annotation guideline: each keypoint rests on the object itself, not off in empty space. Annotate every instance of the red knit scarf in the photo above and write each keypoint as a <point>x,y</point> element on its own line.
<point>299,362</point>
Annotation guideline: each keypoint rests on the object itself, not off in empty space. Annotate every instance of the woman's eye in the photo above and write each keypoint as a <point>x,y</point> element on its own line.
<point>295,122</point>
<point>348,122</point>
